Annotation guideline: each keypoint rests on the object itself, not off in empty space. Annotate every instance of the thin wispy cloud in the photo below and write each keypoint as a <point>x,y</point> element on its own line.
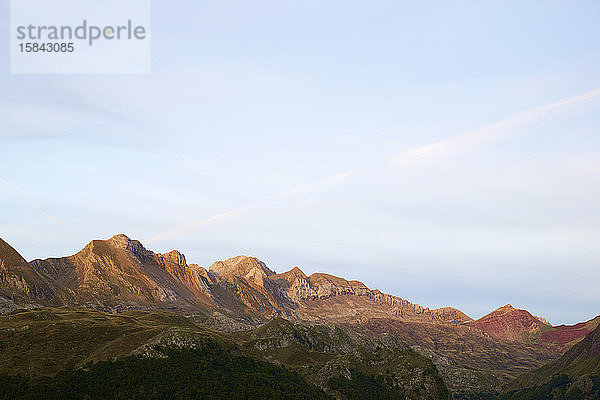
<point>485,134</point>
<point>307,188</point>
<point>362,156</point>
<point>447,147</point>
<point>30,200</point>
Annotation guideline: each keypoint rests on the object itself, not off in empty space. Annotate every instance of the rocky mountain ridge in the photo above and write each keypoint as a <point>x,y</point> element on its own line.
<point>241,293</point>
<point>120,273</point>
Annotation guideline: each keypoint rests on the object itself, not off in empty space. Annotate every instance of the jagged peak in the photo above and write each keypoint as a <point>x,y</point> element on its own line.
<point>123,242</point>
<point>507,308</point>
<point>335,280</point>
<point>238,259</point>
<point>453,313</point>
<point>240,266</point>
<point>297,271</point>
<point>542,320</point>
<point>291,276</point>
<point>119,237</point>
<point>173,257</point>
<point>199,268</point>
<point>508,311</point>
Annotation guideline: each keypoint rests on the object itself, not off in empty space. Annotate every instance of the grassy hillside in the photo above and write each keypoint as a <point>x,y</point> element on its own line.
<point>469,361</point>
<point>342,362</point>
<point>559,387</point>
<point>42,342</point>
<point>208,372</point>
<point>575,375</point>
<point>73,353</point>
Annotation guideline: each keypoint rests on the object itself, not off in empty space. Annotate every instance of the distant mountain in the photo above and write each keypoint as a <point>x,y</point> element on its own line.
<point>242,293</point>
<point>120,274</point>
<point>509,323</point>
<point>469,360</point>
<point>565,336</point>
<point>575,375</point>
<point>581,359</point>
<point>512,324</point>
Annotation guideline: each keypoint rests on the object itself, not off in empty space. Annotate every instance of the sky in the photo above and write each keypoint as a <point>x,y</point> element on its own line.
<point>445,152</point>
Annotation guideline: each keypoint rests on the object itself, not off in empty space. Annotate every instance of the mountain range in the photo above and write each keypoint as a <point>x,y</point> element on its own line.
<point>241,294</point>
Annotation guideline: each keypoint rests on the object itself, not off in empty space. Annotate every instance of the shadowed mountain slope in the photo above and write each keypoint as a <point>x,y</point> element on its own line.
<point>575,375</point>
<point>20,285</point>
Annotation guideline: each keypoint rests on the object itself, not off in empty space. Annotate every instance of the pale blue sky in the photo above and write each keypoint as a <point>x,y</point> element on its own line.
<point>287,131</point>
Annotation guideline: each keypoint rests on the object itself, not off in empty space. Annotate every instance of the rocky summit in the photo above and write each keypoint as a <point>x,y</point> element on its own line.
<point>509,323</point>
<point>242,293</point>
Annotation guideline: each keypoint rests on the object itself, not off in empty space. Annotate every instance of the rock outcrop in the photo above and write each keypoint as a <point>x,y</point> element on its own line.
<point>249,268</point>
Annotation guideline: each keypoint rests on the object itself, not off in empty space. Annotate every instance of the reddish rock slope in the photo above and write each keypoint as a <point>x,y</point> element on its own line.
<point>509,323</point>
